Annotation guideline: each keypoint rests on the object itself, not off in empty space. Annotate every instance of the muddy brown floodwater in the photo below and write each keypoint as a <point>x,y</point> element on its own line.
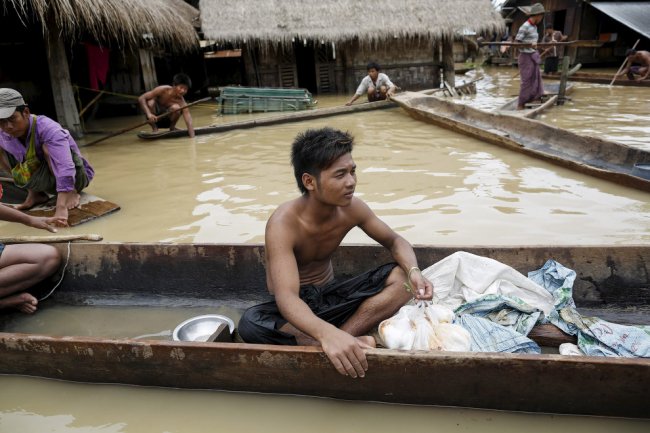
<point>431,185</point>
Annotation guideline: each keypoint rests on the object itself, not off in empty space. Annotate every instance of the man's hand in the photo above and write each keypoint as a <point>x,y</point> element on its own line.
<point>47,223</point>
<point>345,352</point>
<point>422,287</point>
<point>152,118</point>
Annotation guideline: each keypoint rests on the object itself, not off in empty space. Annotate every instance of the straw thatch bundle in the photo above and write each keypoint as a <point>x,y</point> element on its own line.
<point>121,22</point>
<point>280,21</point>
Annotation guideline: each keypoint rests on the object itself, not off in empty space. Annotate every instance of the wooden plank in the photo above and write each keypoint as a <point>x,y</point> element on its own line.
<point>90,208</point>
<point>273,120</point>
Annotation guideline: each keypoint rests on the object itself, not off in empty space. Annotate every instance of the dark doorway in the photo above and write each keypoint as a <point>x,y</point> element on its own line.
<point>306,65</point>
<point>559,18</point>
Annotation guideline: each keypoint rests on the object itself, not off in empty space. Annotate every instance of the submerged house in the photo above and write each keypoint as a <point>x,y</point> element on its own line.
<point>324,46</point>
<point>617,24</point>
<point>53,47</point>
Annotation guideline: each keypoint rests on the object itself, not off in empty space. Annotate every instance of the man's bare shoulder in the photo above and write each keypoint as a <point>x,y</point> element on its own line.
<point>285,215</point>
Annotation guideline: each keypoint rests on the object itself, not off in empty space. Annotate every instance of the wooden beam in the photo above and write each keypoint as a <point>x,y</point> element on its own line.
<point>64,102</point>
<point>449,74</point>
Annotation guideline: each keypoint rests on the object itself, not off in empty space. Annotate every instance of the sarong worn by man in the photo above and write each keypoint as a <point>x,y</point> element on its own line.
<point>334,302</point>
<point>529,60</point>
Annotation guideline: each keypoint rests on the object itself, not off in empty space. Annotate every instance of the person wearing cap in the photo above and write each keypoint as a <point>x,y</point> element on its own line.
<point>529,59</point>
<point>24,265</point>
<point>41,156</point>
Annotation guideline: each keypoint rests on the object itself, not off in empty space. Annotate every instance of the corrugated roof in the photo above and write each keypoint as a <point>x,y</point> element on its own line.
<point>635,15</point>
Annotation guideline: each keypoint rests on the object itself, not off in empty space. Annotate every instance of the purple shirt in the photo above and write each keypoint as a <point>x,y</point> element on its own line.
<point>59,142</point>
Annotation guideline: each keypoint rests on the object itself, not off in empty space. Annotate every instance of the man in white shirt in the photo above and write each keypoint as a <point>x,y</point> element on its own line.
<point>376,85</point>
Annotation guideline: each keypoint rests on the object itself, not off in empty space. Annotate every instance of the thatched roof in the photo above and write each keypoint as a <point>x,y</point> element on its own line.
<point>121,22</point>
<point>273,21</point>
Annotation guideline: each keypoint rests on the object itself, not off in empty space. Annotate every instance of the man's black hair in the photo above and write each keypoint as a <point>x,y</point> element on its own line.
<point>182,78</point>
<point>316,149</point>
<point>373,65</point>
<point>630,52</point>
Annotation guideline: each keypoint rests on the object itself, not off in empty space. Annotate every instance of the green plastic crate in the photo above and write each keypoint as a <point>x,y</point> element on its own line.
<point>235,100</point>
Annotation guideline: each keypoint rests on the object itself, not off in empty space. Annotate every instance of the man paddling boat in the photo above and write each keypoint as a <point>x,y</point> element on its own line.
<point>311,307</point>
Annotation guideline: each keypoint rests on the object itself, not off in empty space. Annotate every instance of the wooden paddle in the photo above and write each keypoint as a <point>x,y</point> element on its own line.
<point>146,122</point>
<point>624,63</point>
<point>49,239</point>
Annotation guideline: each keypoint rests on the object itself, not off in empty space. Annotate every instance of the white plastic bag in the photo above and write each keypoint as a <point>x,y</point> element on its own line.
<point>425,326</point>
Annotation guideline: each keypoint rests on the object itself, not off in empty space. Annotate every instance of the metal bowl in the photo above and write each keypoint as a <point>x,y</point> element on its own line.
<point>200,328</point>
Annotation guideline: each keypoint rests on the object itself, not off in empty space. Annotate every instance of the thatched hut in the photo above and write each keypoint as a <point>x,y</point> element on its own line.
<point>325,45</point>
<point>617,24</point>
<point>46,35</point>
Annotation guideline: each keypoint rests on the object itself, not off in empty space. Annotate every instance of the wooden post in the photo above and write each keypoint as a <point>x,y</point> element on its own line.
<point>449,75</point>
<point>436,65</point>
<point>149,76</point>
<point>64,103</point>
<point>563,79</point>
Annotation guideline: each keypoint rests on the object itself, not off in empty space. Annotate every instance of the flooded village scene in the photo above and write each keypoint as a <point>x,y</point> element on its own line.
<point>332,216</point>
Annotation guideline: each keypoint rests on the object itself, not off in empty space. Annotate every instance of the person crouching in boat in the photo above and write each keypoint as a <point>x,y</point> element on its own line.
<point>532,88</point>
<point>165,99</point>
<point>42,157</point>
<point>24,265</point>
<point>376,85</point>
<point>311,306</point>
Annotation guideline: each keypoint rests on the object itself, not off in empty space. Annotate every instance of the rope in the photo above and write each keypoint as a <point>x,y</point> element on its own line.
<point>67,259</point>
<point>123,95</point>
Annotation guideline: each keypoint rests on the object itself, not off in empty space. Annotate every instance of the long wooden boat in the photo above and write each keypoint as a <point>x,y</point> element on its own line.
<point>598,78</point>
<point>270,120</point>
<point>605,159</point>
<point>550,100</point>
<point>612,283</point>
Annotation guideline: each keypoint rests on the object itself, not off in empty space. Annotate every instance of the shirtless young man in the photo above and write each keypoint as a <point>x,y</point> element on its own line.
<point>41,156</point>
<point>638,63</point>
<point>165,98</point>
<point>23,265</point>
<point>310,306</point>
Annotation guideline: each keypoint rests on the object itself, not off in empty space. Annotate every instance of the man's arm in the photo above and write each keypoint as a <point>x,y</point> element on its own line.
<point>12,215</point>
<point>401,250</point>
<point>344,351</point>
<point>145,98</point>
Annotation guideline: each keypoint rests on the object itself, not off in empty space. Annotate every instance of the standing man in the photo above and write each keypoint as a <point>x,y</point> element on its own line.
<point>532,88</point>
<point>167,98</point>
<point>376,85</point>
<point>312,307</point>
<point>552,54</point>
<point>638,63</point>
<point>24,265</point>
<point>42,157</point>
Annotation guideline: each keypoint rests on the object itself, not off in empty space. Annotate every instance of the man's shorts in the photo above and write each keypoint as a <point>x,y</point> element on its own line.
<point>335,302</point>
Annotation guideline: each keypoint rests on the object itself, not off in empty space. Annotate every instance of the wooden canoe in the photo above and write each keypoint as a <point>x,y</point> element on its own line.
<point>551,90</point>
<point>595,156</point>
<point>598,78</point>
<point>612,283</point>
<point>270,120</point>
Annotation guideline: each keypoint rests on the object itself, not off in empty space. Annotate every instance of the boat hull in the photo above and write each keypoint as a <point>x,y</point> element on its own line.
<point>601,158</point>
<point>233,275</point>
